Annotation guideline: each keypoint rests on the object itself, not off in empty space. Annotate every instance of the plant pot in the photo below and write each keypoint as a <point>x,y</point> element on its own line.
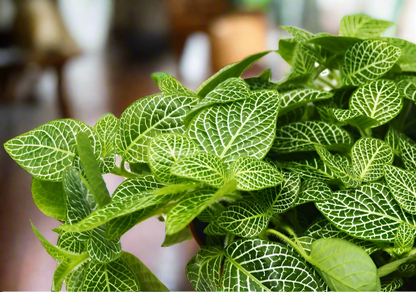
<point>197,230</point>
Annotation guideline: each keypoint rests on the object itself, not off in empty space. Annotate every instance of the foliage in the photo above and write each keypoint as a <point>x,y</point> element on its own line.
<point>308,183</point>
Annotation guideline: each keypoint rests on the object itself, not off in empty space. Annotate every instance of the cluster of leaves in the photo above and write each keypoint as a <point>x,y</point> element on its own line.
<point>308,183</point>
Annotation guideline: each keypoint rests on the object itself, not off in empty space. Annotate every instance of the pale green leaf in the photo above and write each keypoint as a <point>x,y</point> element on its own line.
<point>392,138</point>
<point>66,267</point>
<point>313,168</point>
<point>361,26</point>
<point>115,228</point>
<point>178,237</point>
<point>203,167</point>
<point>402,185</point>
<point>379,100</point>
<point>49,198</point>
<point>408,49</point>
<point>262,81</point>
<point>325,229</point>
<point>407,88</point>
<point>171,86</point>
<point>52,250</point>
<point>92,170</point>
<point>108,163</point>
<point>303,136</point>
<point>107,127</point>
<point>313,191</point>
<point>46,151</point>
<point>257,265</point>
<point>300,97</point>
<point>244,218</point>
<point>240,128</point>
<point>74,282</point>
<point>193,204</point>
<point>344,266</point>
<point>101,249</point>
<point>368,60</point>
<point>368,212</point>
<point>78,200</point>
<point>340,166</point>
<point>67,241</point>
<point>157,76</point>
<point>232,70</point>
<point>118,208</point>
<point>204,269</point>
<point>165,150</point>
<point>114,276</point>
<point>254,174</point>
<point>148,281</point>
<point>354,118</point>
<point>149,117</point>
<point>390,284</point>
<point>395,265</point>
<point>405,239</point>
<point>408,153</point>
<point>283,197</point>
<point>369,155</point>
<point>298,34</point>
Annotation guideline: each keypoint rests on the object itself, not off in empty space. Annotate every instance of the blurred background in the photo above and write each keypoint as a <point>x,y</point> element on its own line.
<point>84,58</point>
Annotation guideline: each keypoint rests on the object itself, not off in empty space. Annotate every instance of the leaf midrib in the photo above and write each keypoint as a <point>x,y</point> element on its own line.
<point>44,146</point>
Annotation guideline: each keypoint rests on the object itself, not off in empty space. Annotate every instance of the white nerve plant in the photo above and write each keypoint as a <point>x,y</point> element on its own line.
<point>305,184</point>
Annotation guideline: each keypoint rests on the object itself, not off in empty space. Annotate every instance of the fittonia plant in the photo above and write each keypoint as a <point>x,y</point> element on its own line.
<point>308,183</point>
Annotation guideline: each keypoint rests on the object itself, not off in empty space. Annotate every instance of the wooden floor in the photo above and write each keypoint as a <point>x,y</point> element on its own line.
<point>95,86</point>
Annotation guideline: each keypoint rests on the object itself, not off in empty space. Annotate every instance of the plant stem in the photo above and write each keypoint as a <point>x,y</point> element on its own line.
<point>122,171</point>
<point>326,82</point>
<point>228,239</point>
<point>299,249</point>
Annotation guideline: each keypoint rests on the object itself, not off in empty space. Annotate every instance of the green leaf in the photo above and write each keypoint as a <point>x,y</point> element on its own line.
<point>299,34</point>
<point>361,26</point>
<point>402,185</point>
<point>149,117</point>
<point>408,49</point>
<point>325,229</point>
<point>298,55</point>
<point>67,241</point>
<point>257,265</point>
<point>313,168</point>
<point>379,100</point>
<point>335,44</point>
<point>107,127</point>
<point>115,228</point>
<point>339,165</point>
<point>114,276</point>
<point>254,174</point>
<point>74,282</point>
<point>344,266</point>
<point>108,163</point>
<point>178,237</point>
<point>213,228</point>
<point>395,265</point>
<point>300,97</point>
<point>118,208</point>
<point>262,81</point>
<point>66,268</point>
<point>405,239</point>
<point>211,213</point>
<point>193,204</point>
<point>164,151</point>
<point>171,86</point>
<point>407,150</point>
<point>203,167</point>
<point>49,198</point>
<point>157,76</point>
<point>283,197</point>
<point>368,60</point>
<point>303,136</point>
<point>148,281</point>
<point>92,170</point>
<point>204,269</point>
<point>51,249</point>
<point>101,249</point>
<point>47,150</point>
<point>293,116</point>
<point>230,90</point>
<point>369,155</point>
<point>234,136</point>
<point>232,70</point>
<point>407,88</point>
<point>390,284</point>
<point>78,200</point>
<point>313,191</point>
<point>244,218</point>
<point>368,212</point>
<point>392,138</point>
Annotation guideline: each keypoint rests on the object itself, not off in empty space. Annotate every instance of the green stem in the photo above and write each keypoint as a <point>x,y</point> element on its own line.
<point>326,82</point>
<point>228,239</point>
<point>298,248</point>
<point>366,133</point>
<point>122,171</point>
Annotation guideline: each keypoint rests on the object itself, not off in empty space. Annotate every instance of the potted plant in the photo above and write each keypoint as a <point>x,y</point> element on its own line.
<point>308,183</point>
